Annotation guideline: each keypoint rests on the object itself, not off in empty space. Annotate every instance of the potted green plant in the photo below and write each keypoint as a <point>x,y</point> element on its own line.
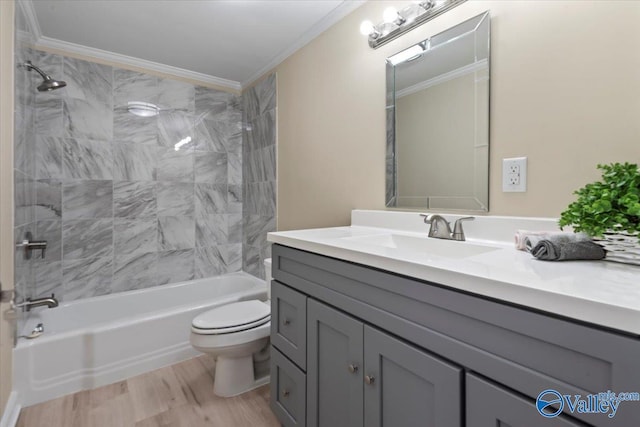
<point>609,211</point>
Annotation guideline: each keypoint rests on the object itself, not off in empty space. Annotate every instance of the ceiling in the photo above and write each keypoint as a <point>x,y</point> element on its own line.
<point>227,42</point>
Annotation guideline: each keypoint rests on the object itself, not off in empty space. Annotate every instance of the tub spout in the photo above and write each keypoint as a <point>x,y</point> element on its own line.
<point>38,302</point>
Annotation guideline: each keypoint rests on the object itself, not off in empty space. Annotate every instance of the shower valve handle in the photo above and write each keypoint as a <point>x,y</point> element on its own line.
<point>29,245</point>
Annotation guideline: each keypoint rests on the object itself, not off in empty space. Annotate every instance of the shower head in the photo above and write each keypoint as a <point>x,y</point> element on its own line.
<point>48,83</point>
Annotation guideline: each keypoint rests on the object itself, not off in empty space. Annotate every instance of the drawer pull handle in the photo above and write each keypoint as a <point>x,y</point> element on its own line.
<point>352,368</point>
<point>369,379</point>
<point>285,393</point>
<point>286,322</point>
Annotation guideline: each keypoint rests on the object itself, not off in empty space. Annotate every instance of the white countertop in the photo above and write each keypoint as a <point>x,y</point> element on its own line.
<point>598,292</point>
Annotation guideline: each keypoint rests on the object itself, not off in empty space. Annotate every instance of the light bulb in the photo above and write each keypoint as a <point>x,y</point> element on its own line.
<point>366,28</point>
<point>390,15</point>
<point>426,4</point>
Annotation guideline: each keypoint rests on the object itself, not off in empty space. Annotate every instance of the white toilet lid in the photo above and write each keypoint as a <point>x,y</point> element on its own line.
<point>244,314</point>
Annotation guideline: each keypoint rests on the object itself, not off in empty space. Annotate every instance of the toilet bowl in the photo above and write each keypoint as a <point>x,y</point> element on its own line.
<point>235,335</point>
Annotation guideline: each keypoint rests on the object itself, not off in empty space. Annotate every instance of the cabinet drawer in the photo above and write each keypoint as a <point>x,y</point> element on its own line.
<point>489,405</point>
<point>288,390</point>
<point>289,323</point>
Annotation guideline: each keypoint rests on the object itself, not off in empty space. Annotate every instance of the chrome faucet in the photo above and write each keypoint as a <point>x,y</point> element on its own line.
<point>441,228</point>
<point>29,303</point>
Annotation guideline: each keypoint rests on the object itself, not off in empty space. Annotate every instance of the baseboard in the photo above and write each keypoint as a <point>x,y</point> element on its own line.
<point>11,411</point>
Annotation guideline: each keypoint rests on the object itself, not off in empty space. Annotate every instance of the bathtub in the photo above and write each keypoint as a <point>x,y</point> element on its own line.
<point>102,340</point>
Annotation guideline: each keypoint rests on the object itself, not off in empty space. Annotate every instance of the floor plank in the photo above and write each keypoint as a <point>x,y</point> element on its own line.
<point>175,396</point>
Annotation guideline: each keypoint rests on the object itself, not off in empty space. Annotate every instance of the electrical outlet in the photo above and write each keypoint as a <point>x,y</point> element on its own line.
<point>514,175</point>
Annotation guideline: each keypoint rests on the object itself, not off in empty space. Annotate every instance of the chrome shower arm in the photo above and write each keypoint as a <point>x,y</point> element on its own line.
<point>29,66</point>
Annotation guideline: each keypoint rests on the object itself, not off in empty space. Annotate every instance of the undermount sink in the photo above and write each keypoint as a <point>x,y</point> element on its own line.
<point>438,247</point>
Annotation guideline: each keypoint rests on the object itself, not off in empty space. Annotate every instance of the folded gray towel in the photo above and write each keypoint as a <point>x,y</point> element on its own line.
<point>548,250</point>
<point>558,238</point>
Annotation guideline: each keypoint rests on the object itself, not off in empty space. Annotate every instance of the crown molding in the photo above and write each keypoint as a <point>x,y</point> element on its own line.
<point>342,10</point>
<point>24,37</point>
<point>49,43</point>
<point>32,19</point>
<point>458,72</point>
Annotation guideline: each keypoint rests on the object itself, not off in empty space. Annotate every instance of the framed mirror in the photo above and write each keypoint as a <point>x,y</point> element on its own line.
<point>438,121</point>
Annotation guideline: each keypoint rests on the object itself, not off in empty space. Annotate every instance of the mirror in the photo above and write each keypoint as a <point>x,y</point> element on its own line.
<point>438,121</point>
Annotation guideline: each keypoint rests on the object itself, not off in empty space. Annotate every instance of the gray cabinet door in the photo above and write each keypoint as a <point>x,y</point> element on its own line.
<point>407,387</point>
<point>489,405</point>
<point>334,368</point>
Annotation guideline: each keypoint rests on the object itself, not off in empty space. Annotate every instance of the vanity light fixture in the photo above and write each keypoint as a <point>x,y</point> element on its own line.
<point>395,23</point>
<point>391,16</point>
<point>143,109</point>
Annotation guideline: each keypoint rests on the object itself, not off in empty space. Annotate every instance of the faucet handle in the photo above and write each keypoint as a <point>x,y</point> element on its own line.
<point>429,218</point>
<point>458,232</point>
<point>440,227</point>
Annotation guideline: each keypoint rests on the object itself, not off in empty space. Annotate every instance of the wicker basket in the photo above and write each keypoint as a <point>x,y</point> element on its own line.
<point>620,247</point>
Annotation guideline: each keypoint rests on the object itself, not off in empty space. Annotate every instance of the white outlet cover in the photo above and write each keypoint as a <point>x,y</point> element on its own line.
<point>508,176</point>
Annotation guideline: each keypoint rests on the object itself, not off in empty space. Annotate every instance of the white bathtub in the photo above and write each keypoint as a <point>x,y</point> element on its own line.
<point>102,340</point>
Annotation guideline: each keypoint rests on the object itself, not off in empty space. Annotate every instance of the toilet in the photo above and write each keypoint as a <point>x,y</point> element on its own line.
<point>236,335</point>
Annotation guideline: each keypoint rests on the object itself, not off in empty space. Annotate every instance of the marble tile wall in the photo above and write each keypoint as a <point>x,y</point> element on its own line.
<point>259,173</point>
<point>121,209</point>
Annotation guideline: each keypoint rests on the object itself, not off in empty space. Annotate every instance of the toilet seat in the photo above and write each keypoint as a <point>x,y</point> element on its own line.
<point>204,341</point>
<point>230,318</point>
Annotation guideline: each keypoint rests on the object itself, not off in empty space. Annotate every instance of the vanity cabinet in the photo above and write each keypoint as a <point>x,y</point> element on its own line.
<point>359,376</point>
<point>382,349</point>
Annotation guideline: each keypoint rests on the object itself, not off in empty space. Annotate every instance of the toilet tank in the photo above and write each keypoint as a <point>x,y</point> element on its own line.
<point>267,276</point>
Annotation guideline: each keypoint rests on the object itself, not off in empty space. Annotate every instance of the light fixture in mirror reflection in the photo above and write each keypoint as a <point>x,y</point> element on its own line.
<point>182,142</point>
<point>395,23</point>
<point>438,121</point>
<point>143,109</point>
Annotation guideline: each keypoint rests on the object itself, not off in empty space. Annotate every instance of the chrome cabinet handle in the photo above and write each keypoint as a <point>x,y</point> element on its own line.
<point>352,368</point>
<point>286,322</point>
<point>285,393</point>
<point>369,379</point>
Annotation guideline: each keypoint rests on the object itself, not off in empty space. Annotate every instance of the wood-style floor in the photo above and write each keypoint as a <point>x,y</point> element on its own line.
<point>180,395</point>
